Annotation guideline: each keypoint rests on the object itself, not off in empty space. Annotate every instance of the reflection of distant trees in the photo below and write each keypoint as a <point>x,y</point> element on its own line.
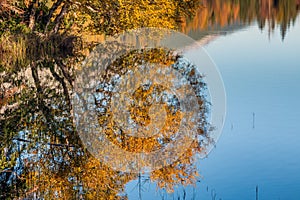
<point>40,151</point>
<point>278,11</point>
<point>222,13</point>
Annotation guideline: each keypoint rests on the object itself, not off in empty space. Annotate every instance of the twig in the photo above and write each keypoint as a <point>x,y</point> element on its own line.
<point>52,10</point>
<point>50,144</point>
<point>12,8</point>
<point>59,17</point>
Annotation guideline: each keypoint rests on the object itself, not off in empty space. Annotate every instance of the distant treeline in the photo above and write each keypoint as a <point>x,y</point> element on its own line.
<point>227,12</point>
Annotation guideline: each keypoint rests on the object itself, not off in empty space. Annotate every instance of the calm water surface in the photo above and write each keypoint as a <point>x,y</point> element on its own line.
<point>259,146</point>
<point>256,157</point>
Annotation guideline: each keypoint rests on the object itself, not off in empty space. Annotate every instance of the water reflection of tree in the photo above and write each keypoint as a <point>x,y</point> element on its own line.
<point>39,118</point>
<point>183,170</point>
<point>223,13</point>
<point>41,154</point>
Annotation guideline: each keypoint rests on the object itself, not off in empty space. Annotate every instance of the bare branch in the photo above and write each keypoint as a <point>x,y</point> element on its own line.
<point>62,68</point>
<point>62,82</point>
<point>50,144</point>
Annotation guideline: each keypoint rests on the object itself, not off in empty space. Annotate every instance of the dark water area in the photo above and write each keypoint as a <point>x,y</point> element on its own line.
<point>255,45</point>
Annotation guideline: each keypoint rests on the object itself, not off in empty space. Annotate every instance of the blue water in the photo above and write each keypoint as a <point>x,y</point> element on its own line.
<point>260,143</point>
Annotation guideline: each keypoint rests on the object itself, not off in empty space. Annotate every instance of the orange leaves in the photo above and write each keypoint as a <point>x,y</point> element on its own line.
<point>146,13</point>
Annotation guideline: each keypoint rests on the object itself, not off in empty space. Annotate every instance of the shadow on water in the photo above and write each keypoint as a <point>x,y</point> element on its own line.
<point>41,44</point>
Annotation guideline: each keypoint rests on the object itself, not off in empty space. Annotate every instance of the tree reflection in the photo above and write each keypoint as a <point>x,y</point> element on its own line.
<point>36,126</point>
<point>221,13</point>
<point>40,47</point>
<point>42,156</point>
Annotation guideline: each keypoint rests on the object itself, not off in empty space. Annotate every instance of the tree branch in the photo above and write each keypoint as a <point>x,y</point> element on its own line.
<point>12,8</point>
<point>62,82</point>
<point>59,17</point>
<point>45,110</point>
<point>50,144</point>
<point>50,14</point>
<point>62,68</point>
<point>33,6</point>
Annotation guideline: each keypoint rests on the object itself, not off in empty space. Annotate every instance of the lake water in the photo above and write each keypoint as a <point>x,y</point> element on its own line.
<point>255,46</point>
<point>259,145</point>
